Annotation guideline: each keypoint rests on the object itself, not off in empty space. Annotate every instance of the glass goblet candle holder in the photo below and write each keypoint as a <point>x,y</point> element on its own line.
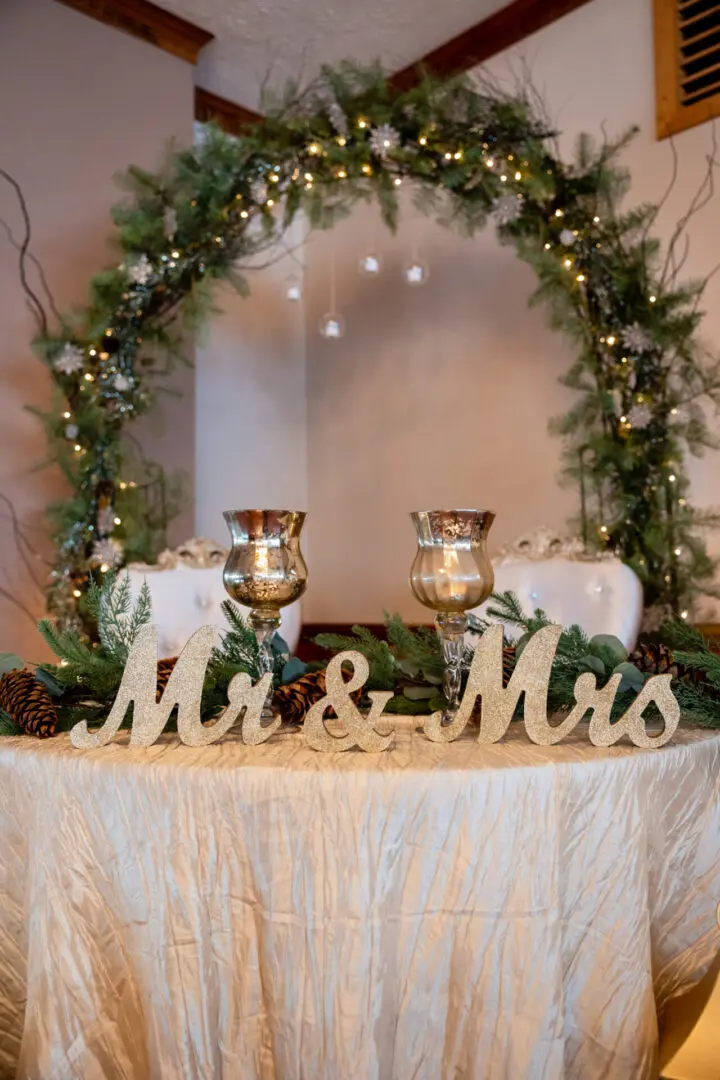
<point>451,574</point>
<point>265,571</point>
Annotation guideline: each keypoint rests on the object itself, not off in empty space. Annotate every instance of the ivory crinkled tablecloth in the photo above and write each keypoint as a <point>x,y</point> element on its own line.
<point>506,912</point>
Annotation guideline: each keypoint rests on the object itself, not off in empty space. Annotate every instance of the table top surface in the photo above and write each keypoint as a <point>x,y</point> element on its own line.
<point>412,752</point>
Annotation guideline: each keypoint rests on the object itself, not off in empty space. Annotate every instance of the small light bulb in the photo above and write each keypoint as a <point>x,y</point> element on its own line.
<point>397,181</point>
<point>270,202</point>
<point>611,340</point>
<point>652,299</point>
<point>78,448</point>
<point>341,174</point>
<point>104,568</point>
<point>518,176</point>
<point>66,416</point>
<point>341,140</point>
<point>362,123</point>
<point>243,213</point>
<point>108,333</point>
<point>448,156</point>
<point>92,352</point>
<point>293,289</point>
<point>313,149</point>
<point>308,177</point>
<point>274,178</point>
<point>623,419</point>
<point>580,277</point>
<point>567,263</point>
<point>503,178</point>
<point>682,502</point>
<point>603,528</point>
<point>123,485</point>
<point>673,412</point>
<point>118,521</point>
<point>89,377</point>
<point>458,155</point>
<point>367,169</point>
<point>559,213</point>
<point>308,186</point>
<point>422,140</point>
<point>683,614</point>
<point>175,254</point>
<point>596,220</point>
<point>548,246</point>
<point>490,163</point>
<point>678,551</point>
<point>76,593</point>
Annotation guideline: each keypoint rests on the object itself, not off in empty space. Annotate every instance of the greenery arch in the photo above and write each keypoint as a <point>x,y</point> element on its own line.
<point>470,153</point>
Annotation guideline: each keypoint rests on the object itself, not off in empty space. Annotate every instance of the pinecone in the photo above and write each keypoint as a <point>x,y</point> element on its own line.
<point>27,703</point>
<point>164,671</point>
<point>654,658</point>
<point>293,700</point>
<point>508,662</point>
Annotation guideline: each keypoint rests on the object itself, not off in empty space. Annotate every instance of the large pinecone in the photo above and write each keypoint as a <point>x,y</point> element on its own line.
<point>294,699</point>
<point>27,703</point>
<point>654,658</point>
<point>164,671</point>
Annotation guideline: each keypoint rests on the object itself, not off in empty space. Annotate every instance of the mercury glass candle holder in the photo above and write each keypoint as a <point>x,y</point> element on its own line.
<point>451,574</point>
<point>265,571</point>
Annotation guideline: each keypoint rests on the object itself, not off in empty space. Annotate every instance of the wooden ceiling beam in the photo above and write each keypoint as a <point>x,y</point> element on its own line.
<point>231,117</point>
<point>150,23</point>
<point>486,39</point>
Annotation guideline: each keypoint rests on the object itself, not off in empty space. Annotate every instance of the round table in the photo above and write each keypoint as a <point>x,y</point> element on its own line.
<point>474,912</point>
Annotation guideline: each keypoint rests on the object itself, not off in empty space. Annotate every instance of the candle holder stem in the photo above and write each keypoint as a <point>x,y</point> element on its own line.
<point>451,627</point>
<point>264,624</point>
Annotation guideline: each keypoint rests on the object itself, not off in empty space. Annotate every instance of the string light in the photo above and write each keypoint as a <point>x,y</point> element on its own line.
<point>672,478</point>
<point>308,177</point>
<point>92,352</point>
<point>503,178</point>
<point>611,340</point>
<point>559,213</point>
<point>243,213</point>
<point>362,123</point>
<point>341,174</point>
<point>683,614</point>
<point>458,155</point>
<point>314,149</point>
<point>76,593</point>
<point>673,412</point>
<point>274,178</point>
<point>678,551</point>
<point>448,156</point>
<point>118,521</point>
<point>66,416</point>
<point>580,277</point>
<point>397,181</point>
<point>78,448</point>
<point>104,568</point>
<point>341,140</point>
<point>518,176</point>
<point>367,169</point>
<point>596,220</point>
<point>567,263</point>
<point>548,246</point>
<point>175,254</point>
<point>422,140</point>
<point>89,377</point>
<point>652,299</point>
<point>270,202</point>
<point>490,163</point>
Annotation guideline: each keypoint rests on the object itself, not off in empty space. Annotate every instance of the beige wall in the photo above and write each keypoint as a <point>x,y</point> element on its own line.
<point>78,103</point>
<point>441,395</point>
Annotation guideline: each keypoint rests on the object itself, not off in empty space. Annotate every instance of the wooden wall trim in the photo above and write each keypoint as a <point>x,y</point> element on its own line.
<point>148,22</point>
<point>486,39</point>
<point>231,117</point>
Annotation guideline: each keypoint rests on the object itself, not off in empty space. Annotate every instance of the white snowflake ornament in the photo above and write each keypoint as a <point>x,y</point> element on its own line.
<point>640,416</point>
<point>71,432</point>
<point>140,271</point>
<point>122,383</point>
<point>507,208</point>
<point>338,119</point>
<point>636,339</point>
<point>69,360</point>
<point>105,521</point>
<point>383,140</point>
<point>259,191</point>
<point>170,222</point>
<point>567,237</point>
<point>107,552</point>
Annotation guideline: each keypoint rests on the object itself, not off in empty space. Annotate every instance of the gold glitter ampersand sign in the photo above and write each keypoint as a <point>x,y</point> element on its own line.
<point>359,729</point>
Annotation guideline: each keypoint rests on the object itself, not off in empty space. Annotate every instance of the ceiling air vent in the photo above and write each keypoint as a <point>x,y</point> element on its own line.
<point>687,63</point>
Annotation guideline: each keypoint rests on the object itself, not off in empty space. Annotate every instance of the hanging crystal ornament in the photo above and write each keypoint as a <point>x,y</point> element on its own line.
<point>332,324</point>
<point>416,272</point>
<point>370,264</point>
<point>293,289</point>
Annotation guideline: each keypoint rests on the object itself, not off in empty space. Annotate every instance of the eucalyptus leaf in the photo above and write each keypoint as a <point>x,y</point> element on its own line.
<point>632,677</point>
<point>48,680</point>
<point>7,725</point>
<point>279,645</point>
<point>593,663</point>
<point>9,662</point>
<point>609,643</point>
<point>292,670</point>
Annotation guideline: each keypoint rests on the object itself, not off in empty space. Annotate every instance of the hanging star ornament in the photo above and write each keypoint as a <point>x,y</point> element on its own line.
<point>69,360</point>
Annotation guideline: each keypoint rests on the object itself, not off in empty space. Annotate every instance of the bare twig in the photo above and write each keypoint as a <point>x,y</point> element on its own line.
<point>38,266</point>
<point>35,302</point>
<point>702,197</point>
<point>11,599</point>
